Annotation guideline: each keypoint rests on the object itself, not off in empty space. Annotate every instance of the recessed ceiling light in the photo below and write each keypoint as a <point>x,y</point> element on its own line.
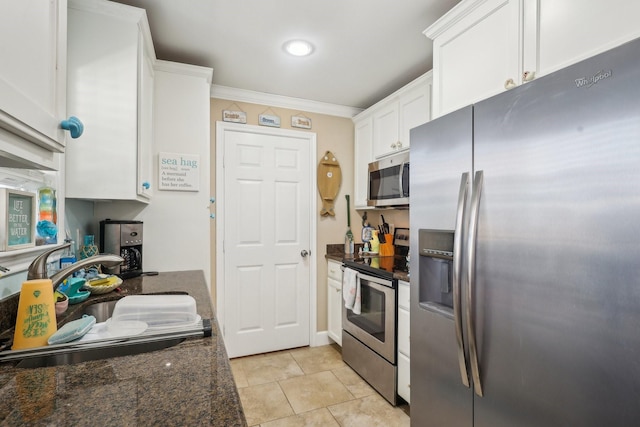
<point>298,47</point>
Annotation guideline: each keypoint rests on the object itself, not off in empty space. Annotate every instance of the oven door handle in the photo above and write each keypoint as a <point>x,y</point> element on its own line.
<point>457,277</point>
<point>375,280</point>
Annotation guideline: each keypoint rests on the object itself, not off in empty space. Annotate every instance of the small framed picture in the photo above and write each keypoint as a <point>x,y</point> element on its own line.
<point>18,218</point>
<point>234,116</point>
<point>401,237</point>
<point>301,122</point>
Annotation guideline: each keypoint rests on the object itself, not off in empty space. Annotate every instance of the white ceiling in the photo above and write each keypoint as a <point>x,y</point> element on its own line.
<point>364,49</point>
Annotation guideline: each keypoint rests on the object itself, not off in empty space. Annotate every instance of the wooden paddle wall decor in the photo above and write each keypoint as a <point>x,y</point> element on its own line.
<point>329,180</point>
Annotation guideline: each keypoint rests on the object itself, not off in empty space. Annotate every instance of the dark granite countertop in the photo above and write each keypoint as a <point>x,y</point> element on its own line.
<point>190,384</point>
<point>335,252</point>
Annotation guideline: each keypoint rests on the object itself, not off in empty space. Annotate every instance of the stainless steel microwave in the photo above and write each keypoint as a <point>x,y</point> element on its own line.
<point>389,181</point>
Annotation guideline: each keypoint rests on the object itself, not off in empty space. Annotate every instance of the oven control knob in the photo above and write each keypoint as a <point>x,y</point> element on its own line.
<point>304,253</point>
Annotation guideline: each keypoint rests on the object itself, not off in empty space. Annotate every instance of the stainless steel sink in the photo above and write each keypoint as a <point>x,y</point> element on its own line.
<point>101,310</point>
<point>126,347</point>
<point>77,352</point>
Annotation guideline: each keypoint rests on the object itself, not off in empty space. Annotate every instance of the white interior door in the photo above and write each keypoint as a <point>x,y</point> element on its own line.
<point>267,238</point>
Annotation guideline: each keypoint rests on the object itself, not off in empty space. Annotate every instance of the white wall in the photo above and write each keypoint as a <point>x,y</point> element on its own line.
<point>176,223</point>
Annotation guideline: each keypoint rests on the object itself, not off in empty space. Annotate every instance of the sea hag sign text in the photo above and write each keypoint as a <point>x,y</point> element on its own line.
<point>179,172</point>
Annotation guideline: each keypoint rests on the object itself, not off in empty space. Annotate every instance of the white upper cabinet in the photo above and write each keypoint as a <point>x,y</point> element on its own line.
<point>483,47</point>
<point>110,85</point>
<point>394,116</point>
<point>363,155</point>
<point>571,30</point>
<point>32,82</point>
<point>414,108</point>
<point>476,50</point>
<point>384,129</point>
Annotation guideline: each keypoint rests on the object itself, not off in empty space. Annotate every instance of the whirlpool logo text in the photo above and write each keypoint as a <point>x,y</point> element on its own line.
<point>587,82</point>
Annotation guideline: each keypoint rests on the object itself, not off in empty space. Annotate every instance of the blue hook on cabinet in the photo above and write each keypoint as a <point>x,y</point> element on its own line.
<point>146,185</point>
<point>73,125</point>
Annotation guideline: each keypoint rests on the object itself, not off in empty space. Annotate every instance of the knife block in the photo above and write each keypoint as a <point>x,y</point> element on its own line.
<point>387,249</point>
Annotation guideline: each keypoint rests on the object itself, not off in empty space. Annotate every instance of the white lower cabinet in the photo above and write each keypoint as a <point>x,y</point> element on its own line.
<point>404,365</point>
<point>334,301</point>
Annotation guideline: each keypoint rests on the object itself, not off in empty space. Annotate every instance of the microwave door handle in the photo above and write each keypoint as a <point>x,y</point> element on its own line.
<point>457,279</point>
<point>471,265</point>
<point>401,179</point>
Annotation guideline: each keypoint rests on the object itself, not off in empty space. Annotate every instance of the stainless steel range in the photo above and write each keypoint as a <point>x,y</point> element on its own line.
<point>369,338</point>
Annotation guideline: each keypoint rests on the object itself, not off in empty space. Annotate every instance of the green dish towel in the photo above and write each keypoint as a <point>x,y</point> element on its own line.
<point>73,330</point>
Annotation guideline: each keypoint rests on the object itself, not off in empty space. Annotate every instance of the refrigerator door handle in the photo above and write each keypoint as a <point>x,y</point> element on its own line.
<point>457,279</point>
<point>471,259</point>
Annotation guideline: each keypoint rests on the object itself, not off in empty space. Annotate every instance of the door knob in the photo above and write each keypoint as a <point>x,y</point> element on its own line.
<point>304,253</point>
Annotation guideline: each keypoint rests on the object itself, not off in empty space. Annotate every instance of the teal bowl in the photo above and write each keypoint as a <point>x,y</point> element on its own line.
<point>78,297</point>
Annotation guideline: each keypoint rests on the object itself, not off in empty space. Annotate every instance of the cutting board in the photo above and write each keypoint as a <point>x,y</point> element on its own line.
<point>329,180</point>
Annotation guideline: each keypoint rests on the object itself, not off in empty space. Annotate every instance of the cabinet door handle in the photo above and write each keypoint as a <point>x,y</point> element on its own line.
<point>399,144</point>
<point>509,84</point>
<point>73,125</point>
<point>393,146</point>
<point>527,76</point>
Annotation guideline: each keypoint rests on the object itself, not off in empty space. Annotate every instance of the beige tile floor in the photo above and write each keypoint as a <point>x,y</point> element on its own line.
<point>310,386</point>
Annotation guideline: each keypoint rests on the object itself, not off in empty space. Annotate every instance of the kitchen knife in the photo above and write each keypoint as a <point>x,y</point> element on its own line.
<point>385,225</point>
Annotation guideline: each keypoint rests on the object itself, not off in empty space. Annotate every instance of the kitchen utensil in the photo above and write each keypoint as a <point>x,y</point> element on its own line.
<point>367,233</point>
<point>381,235</point>
<point>348,237</point>
<point>103,285</point>
<point>62,302</point>
<point>78,297</point>
<point>36,319</point>
<point>157,311</point>
<point>385,225</point>
<point>73,330</point>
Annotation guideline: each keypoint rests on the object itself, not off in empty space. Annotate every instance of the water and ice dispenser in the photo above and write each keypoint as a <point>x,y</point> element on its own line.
<point>436,268</point>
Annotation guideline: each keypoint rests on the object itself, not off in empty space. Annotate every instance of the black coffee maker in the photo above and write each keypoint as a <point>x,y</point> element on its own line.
<point>123,238</point>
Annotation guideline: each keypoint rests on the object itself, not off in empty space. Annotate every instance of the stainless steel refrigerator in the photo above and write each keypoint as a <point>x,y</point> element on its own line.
<point>525,254</point>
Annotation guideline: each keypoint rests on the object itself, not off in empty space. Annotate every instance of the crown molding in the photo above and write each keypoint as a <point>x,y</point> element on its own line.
<point>243,95</point>
<point>186,69</point>
<point>452,17</point>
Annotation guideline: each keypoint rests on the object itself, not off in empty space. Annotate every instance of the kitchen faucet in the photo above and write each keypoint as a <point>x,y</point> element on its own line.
<point>38,268</point>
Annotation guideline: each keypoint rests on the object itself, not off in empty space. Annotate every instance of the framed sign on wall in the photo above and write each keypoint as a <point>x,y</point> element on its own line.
<point>18,219</point>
